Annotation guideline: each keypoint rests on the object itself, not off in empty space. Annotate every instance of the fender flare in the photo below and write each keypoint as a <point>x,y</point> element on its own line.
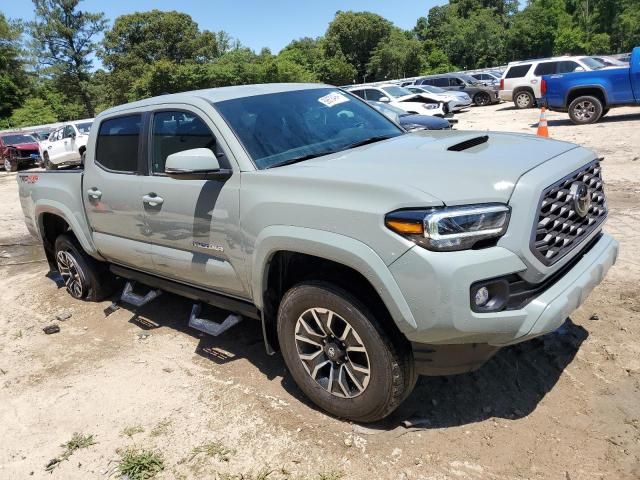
<point>76,222</point>
<point>595,86</point>
<point>335,247</point>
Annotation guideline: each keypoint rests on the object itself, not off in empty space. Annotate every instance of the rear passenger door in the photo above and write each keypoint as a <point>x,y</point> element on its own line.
<point>194,224</point>
<point>111,188</point>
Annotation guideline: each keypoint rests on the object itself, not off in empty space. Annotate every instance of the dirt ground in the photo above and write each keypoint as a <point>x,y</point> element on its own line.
<point>565,406</point>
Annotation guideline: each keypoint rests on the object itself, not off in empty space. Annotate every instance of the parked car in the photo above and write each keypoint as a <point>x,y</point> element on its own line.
<point>489,78</point>
<point>521,80</point>
<point>368,254</point>
<point>455,101</point>
<point>66,145</point>
<point>401,98</point>
<point>16,149</point>
<point>41,134</point>
<point>411,121</point>
<point>588,96</point>
<point>480,94</point>
<point>610,61</point>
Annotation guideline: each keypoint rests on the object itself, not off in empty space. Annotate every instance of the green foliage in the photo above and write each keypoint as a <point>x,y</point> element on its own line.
<point>63,41</point>
<point>34,111</point>
<point>140,464</point>
<point>398,56</point>
<point>13,78</point>
<point>77,442</point>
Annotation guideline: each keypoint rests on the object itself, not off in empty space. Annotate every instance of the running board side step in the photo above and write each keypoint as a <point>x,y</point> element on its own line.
<point>209,326</point>
<point>132,298</point>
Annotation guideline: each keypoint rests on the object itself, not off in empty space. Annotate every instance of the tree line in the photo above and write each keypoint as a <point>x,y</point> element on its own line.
<point>47,69</point>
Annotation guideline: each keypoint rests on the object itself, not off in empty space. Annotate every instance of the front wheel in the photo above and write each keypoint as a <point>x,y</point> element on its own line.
<point>481,99</point>
<point>10,166</point>
<point>47,163</point>
<point>339,355</point>
<point>84,277</point>
<point>585,110</point>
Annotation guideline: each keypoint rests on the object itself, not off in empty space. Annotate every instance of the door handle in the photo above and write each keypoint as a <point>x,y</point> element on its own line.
<point>152,200</point>
<point>94,194</point>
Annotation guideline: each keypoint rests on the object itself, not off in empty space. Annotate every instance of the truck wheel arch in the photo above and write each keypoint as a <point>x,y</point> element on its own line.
<point>351,258</point>
<point>592,90</point>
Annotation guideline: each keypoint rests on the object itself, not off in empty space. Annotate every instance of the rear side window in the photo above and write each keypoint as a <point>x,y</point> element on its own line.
<point>359,93</point>
<point>118,140</point>
<point>546,68</point>
<point>518,71</point>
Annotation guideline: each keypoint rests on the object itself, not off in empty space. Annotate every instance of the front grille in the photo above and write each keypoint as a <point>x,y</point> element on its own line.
<point>559,229</point>
<point>26,154</point>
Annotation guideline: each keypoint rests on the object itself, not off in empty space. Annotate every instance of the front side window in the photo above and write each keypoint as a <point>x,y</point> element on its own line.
<point>68,131</point>
<point>286,127</point>
<point>118,140</point>
<point>175,132</point>
<point>374,95</point>
<point>84,127</point>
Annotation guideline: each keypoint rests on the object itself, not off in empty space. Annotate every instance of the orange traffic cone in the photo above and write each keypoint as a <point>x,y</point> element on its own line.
<point>543,130</point>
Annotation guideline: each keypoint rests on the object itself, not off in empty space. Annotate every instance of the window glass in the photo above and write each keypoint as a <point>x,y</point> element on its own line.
<point>118,140</point>
<point>455,82</point>
<point>68,131</point>
<point>175,132</point>
<point>17,139</point>
<point>374,95</point>
<point>395,91</point>
<point>545,68</point>
<point>441,82</point>
<point>292,126</point>
<point>359,93</point>
<point>518,71</point>
<point>84,127</point>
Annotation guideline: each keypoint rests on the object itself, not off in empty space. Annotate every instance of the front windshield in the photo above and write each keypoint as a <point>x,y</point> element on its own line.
<point>17,139</point>
<point>84,128</point>
<point>280,128</point>
<point>592,63</point>
<point>395,91</point>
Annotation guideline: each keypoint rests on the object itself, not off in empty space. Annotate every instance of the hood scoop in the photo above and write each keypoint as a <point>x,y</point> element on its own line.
<point>469,143</point>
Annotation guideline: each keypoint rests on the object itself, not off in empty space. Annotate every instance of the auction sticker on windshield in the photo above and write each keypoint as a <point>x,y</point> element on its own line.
<point>333,98</point>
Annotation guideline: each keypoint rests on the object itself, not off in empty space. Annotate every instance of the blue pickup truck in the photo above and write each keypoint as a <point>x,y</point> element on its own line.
<point>588,96</point>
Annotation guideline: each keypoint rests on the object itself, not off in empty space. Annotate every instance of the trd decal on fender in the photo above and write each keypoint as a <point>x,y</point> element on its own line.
<point>29,178</point>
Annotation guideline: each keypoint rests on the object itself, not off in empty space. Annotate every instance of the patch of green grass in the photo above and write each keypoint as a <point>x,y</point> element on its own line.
<point>132,430</point>
<point>140,464</point>
<point>330,476</point>
<point>162,428</point>
<point>77,442</point>
<point>212,449</point>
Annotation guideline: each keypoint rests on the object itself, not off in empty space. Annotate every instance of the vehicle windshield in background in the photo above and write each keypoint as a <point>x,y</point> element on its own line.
<point>281,128</point>
<point>390,110</point>
<point>592,63</point>
<point>469,79</point>
<point>432,89</point>
<point>17,139</point>
<point>397,91</point>
<point>84,128</point>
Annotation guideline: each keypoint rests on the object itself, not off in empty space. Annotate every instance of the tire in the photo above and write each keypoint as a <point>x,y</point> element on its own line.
<point>353,395</point>
<point>10,166</point>
<point>481,99</point>
<point>523,99</point>
<point>85,278</point>
<point>83,156</point>
<point>585,110</point>
<point>47,163</point>
<point>604,112</point>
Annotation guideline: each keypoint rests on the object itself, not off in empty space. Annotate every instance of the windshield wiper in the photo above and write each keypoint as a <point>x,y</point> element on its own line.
<point>301,158</point>
<point>369,140</point>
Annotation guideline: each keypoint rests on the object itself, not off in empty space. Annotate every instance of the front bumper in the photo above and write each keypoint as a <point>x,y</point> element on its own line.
<point>436,286</point>
<point>506,95</point>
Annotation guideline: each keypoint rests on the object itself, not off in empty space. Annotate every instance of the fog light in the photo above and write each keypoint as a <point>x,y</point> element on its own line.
<point>482,296</point>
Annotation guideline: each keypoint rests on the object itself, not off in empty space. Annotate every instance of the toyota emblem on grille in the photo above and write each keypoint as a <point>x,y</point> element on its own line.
<point>581,198</point>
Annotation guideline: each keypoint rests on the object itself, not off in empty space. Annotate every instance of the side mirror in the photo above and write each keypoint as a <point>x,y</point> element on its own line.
<point>384,99</point>
<point>195,164</point>
<point>578,69</point>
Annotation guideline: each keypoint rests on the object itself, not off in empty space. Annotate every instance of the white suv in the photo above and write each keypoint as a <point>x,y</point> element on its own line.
<point>66,145</point>
<point>520,82</point>
<point>400,97</point>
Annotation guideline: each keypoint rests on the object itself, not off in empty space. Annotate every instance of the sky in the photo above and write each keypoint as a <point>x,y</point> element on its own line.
<point>256,23</point>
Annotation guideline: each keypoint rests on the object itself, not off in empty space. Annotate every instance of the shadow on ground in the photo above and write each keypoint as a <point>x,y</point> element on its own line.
<point>611,118</point>
<point>509,386</point>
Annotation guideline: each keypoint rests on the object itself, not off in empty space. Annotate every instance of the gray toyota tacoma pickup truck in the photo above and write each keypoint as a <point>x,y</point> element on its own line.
<point>369,255</point>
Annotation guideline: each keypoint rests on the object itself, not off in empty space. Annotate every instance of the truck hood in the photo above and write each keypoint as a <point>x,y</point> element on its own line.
<point>486,172</point>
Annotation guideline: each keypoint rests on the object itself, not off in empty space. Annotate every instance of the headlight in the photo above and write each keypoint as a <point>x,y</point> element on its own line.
<point>451,228</point>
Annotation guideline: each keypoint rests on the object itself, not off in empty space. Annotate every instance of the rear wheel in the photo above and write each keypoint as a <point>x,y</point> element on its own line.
<point>339,355</point>
<point>586,109</point>
<point>523,99</point>
<point>481,99</point>
<point>84,277</point>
